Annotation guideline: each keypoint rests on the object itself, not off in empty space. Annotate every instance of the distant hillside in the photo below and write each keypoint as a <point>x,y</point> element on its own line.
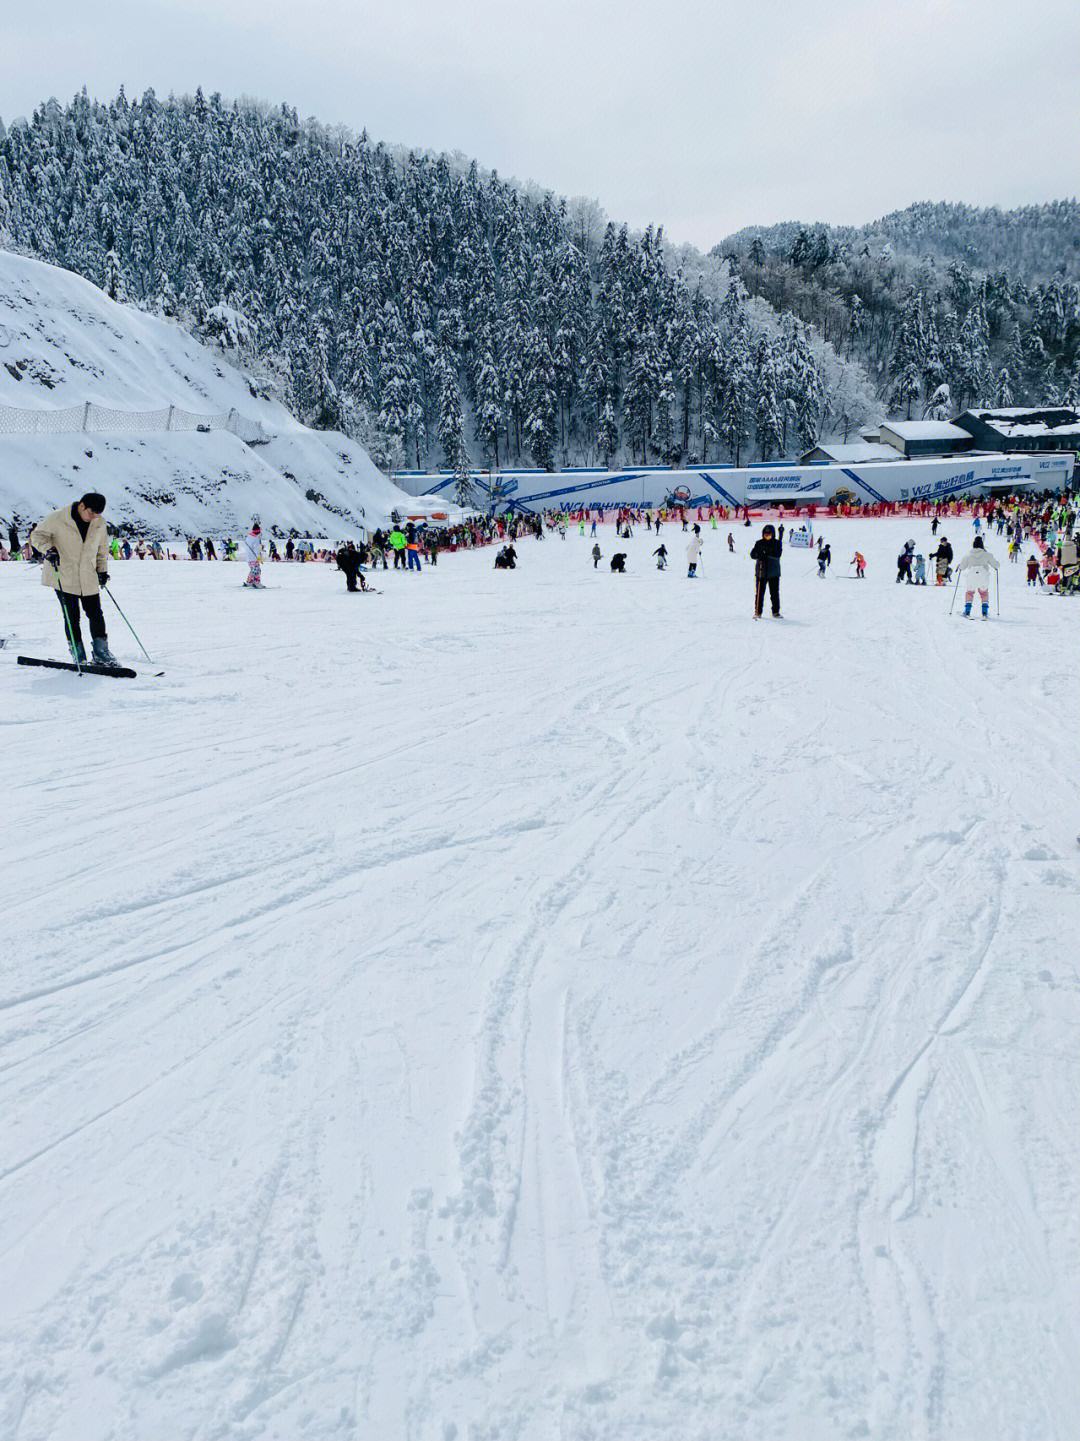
<point>439,315</point>
<point>983,302</point>
<point>64,343</point>
<point>1034,242</point>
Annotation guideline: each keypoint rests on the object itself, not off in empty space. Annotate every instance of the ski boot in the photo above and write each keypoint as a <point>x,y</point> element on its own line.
<point>967,611</point>
<point>78,653</point>
<point>102,654</point>
<point>986,610</point>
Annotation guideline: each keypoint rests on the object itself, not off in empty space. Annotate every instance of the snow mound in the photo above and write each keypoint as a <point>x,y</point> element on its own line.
<point>64,343</point>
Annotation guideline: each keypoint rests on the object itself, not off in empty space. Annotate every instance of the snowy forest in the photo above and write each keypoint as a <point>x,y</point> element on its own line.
<point>983,302</point>
<point>444,316</point>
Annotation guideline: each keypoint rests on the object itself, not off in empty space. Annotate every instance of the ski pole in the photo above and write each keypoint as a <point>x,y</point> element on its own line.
<point>997,591</point>
<point>68,626</point>
<point>956,588</point>
<point>130,627</point>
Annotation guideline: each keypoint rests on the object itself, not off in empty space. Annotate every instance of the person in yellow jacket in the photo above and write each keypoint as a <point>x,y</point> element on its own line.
<point>397,545</point>
<point>75,545</point>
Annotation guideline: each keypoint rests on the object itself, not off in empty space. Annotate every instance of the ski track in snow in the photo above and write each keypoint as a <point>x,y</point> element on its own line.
<point>543,1007</point>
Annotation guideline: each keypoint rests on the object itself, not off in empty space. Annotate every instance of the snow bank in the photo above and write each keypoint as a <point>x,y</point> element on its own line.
<point>63,342</point>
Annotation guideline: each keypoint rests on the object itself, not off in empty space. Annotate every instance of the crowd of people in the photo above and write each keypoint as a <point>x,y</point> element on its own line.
<point>75,548</point>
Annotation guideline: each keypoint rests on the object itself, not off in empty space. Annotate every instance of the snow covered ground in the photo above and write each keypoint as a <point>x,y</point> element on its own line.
<point>543,1005</point>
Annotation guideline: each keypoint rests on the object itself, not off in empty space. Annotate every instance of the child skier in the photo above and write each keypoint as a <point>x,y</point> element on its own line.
<point>661,556</point>
<point>920,570</point>
<point>978,563</point>
<point>730,543</point>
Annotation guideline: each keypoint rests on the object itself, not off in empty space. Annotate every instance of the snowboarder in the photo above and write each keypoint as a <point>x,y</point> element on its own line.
<point>661,556</point>
<point>618,563</point>
<point>349,561</point>
<point>75,545</point>
<point>253,556</point>
<point>766,555</point>
<point>693,555</point>
<point>595,556</point>
<point>978,563</point>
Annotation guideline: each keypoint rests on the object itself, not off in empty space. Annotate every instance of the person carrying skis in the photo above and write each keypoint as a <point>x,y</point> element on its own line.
<point>253,555</point>
<point>693,555</point>
<point>766,555</point>
<point>858,560</point>
<point>595,556</point>
<point>661,556</point>
<point>978,563</point>
<point>75,545</point>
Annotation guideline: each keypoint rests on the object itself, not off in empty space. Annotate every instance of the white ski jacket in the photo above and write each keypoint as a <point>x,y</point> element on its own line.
<point>693,551</point>
<point>252,548</point>
<point>978,565</point>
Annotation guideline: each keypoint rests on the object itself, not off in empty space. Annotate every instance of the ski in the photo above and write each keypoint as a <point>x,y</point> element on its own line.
<point>119,672</point>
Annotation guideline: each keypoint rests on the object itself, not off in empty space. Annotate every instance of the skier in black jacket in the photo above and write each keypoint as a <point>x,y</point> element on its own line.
<point>766,557</point>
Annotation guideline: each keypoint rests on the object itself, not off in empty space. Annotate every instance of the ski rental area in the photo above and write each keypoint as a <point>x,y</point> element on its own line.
<point>544,1004</point>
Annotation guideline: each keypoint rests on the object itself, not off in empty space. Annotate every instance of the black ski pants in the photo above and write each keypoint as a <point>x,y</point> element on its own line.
<point>772,584</point>
<point>91,604</point>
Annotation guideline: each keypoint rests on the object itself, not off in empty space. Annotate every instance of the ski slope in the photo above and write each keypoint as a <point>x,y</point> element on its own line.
<point>543,1005</point>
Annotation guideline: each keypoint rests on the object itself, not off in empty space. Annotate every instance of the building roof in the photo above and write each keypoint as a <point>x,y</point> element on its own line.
<point>926,430</point>
<point>855,451</point>
<point>1026,420</point>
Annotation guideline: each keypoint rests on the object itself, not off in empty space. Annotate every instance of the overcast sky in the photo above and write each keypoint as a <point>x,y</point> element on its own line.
<point>702,116</point>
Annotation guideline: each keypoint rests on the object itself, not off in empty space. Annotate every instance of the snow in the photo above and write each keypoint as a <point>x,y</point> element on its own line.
<point>1030,421</point>
<point>924,430</point>
<point>65,342</point>
<point>543,1004</point>
<point>852,452</point>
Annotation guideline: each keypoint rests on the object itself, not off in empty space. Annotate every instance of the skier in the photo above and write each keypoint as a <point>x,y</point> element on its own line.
<point>618,563</point>
<point>661,556</point>
<point>693,555</point>
<point>858,560</point>
<point>1034,575</point>
<point>75,545</point>
<point>920,570</point>
<point>903,566</point>
<point>934,527</point>
<point>13,540</point>
<point>978,563</point>
<point>397,545</point>
<point>766,555</point>
<point>824,560</point>
<point>730,543</point>
<point>595,556</point>
<point>943,557</point>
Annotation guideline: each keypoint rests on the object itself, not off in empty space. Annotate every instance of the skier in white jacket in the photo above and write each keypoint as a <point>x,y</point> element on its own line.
<point>253,551</point>
<point>693,555</point>
<point>978,564</point>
